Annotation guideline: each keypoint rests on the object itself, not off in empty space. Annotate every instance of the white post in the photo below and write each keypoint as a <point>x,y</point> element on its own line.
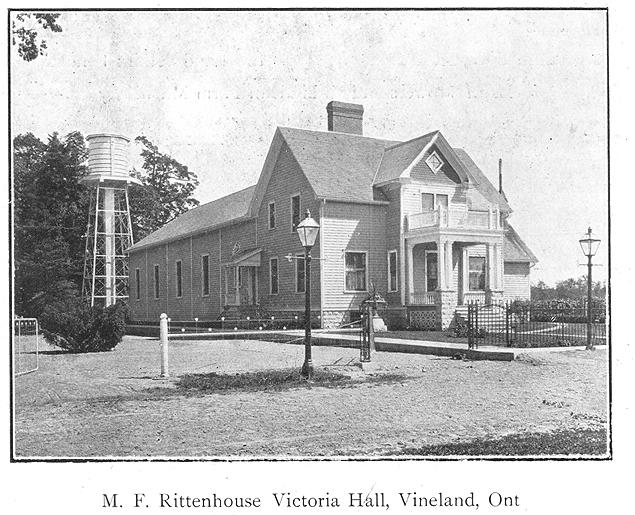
<point>163,332</point>
<point>441,266</point>
<point>449,284</point>
<point>411,272</point>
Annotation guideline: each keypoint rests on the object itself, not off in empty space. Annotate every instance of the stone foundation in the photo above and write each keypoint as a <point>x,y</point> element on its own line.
<point>447,307</point>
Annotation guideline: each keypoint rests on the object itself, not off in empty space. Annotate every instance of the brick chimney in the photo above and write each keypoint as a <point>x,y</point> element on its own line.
<point>343,117</point>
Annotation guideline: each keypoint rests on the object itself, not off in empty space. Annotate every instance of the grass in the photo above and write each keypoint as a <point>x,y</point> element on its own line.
<point>563,442</point>
<point>276,380</point>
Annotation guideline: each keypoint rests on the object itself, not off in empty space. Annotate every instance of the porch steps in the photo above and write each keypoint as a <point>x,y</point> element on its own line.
<point>489,317</point>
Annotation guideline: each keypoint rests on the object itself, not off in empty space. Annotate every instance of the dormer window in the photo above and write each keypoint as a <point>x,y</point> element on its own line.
<point>434,162</point>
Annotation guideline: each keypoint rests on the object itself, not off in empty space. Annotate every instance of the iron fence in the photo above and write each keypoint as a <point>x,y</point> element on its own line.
<point>514,325</point>
<point>26,344</point>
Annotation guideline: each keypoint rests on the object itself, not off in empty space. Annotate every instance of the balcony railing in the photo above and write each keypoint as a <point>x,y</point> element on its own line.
<point>424,298</point>
<point>455,218</point>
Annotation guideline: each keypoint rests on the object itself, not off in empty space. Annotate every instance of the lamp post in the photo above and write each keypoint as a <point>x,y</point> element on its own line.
<point>307,232</point>
<point>589,247</point>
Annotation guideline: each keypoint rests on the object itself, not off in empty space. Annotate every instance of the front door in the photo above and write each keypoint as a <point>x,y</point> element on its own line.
<point>432,271</point>
<point>246,284</point>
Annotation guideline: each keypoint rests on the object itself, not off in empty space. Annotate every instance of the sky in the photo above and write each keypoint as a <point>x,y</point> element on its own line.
<point>209,88</point>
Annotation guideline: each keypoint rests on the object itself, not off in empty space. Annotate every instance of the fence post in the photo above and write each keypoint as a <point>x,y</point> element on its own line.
<point>469,324</point>
<point>507,315</point>
<point>163,334</point>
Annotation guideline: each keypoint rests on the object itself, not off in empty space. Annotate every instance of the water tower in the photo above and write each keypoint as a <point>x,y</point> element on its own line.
<point>109,231</point>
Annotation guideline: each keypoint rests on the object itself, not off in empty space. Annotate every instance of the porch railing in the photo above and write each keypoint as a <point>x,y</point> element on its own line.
<point>424,298</point>
<point>456,218</point>
<point>474,296</point>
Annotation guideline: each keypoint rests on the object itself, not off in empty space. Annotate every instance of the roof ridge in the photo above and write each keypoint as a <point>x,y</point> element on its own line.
<point>336,132</point>
<point>413,139</point>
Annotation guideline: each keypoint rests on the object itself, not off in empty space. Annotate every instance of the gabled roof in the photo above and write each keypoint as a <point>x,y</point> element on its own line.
<point>398,157</point>
<point>515,249</point>
<point>481,182</point>
<point>338,165</point>
<point>201,219</point>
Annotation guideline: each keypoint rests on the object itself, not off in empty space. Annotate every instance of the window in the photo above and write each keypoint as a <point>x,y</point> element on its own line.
<point>355,264</point>
<point>156,281</point>
<point>272,215</point>
<point>273,276</point>
<point>295,212</point>
<point>137,282</point>
<point>205,274</point>
<point>392,270</point>
<point>300,278</point>
<point>179,279</point>
<point>477,273</point>
<point>434,162</point>
<point>431,201</point>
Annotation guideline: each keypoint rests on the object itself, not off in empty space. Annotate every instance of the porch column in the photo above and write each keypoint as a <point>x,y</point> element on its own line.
<point>442,268</point>
<point>410,263</point>
<point>449,284</point>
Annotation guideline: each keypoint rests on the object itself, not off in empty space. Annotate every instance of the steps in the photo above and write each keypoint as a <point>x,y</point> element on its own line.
<point>491,318</point>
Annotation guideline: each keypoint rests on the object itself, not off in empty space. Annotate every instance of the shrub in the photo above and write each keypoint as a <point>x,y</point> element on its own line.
<point>77,327</point>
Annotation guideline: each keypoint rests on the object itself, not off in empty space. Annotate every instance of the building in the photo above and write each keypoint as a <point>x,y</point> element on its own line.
<point>416,220</point>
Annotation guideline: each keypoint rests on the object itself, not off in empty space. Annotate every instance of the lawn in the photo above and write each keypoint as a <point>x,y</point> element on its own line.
<point>246,399</point>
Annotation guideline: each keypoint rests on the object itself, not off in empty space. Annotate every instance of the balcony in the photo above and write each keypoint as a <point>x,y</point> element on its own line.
<point>455,218</point>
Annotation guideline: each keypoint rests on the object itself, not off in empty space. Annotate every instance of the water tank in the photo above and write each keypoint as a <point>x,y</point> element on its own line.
<point>108,158</point>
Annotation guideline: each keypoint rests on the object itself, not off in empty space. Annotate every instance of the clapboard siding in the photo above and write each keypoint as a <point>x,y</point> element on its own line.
<point>209,306</point>
<point>287,179</point>
<point>352,227</point>
<point>393,237</point>
<point>516,281</point>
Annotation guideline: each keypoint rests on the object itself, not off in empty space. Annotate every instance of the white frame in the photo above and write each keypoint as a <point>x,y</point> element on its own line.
<point>432,155</point>
<point>209,285</point>
<point>137,288</point>
<point>272,203</point>
<point>295,269</point>
<point>156,280</point>
<point>396,288</point>
<point>293,229</point>
<point>425,268</point>
<point>178,278</point>
<point>434,199</point>
<point>352,251</point>
<point>469,287</point>
<point>274,258</point>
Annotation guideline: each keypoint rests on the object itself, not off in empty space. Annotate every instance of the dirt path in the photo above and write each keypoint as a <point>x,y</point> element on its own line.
<point>108,404</point>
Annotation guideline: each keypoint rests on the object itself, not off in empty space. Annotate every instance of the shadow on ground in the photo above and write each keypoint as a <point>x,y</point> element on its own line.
<point>564,442</point>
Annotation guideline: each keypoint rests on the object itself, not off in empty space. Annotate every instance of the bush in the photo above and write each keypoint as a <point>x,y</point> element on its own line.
<point>77,327</point>
<point>559,310</point>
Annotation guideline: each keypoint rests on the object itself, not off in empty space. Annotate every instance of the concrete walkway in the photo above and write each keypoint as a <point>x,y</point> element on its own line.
<point>382,344</point>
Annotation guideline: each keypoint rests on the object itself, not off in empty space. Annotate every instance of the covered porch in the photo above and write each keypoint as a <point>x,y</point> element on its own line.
<point>452,270</point>
<point>240,277</point>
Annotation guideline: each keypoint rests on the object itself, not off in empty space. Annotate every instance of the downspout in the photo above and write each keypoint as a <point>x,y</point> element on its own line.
<point>147,299</point>
<point>220,271</point>
<point>167,280</point>
<point>191,280</point>
<point>321,210</point>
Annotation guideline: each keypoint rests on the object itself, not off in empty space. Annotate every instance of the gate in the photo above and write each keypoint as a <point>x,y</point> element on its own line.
<point>516,324</point>
<point>26,343</point>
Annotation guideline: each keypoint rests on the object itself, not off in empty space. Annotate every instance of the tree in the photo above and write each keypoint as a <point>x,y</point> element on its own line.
<point>50,210</point>
<point>25,36</point>
<point>166,192</point>
<point>574,289</point>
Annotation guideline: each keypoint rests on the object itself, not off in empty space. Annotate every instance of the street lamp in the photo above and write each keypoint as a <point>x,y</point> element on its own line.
<point>589,247</point>
<point>307,232</point>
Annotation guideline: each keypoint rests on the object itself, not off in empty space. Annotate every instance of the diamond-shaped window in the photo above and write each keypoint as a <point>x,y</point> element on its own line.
<point>434,162</point>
